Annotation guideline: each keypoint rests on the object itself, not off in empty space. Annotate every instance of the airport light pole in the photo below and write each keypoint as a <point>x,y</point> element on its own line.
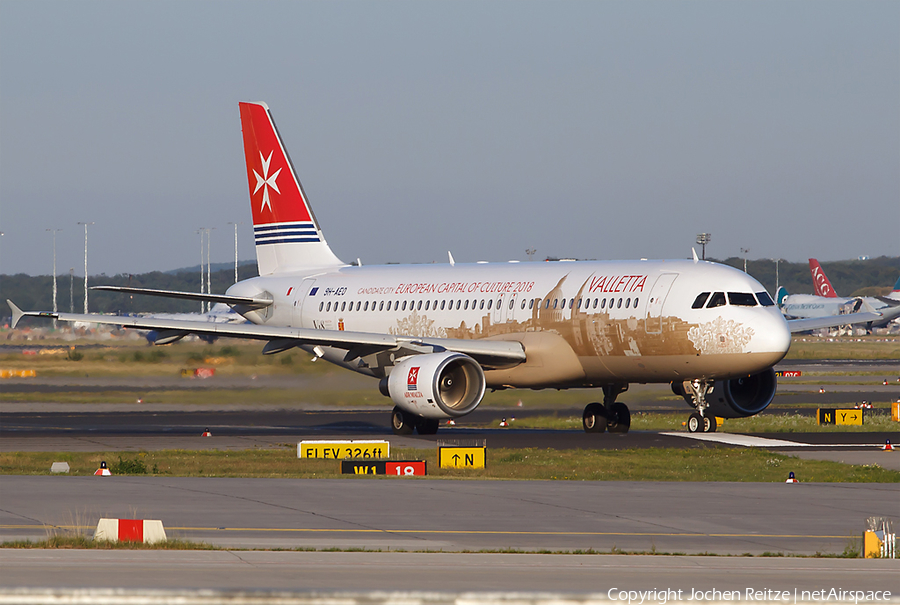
<point>745,251</point>
<point>208,270</point>
<point>530,252</point>
<point>85,267</point>
<point>235,252</point>
<point>53,231</point>
<point>202,281</point>
<point>71,289</point>
<point>703,239</point>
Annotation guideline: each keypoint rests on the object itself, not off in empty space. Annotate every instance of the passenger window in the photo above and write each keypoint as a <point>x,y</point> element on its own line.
<point>700,300</point>
<point>498,303</point>
<point>636,300</point>
<point>490,304</point>
<point>716,300</point>
<point>419,306</point>
<point>603,304</point>
<point>511,303</point>
<point>741,299</point>
<point>571,302</point>
<point>481,304</point>
<point>466,306</point>
<point>457,304</point>
<point>596,300</point>
<point>397,305</point>
<point>555,302</point>
<point>366,307</point>
<point>321,305</point>
<point>547,304</point>
<point>443,302</point>
<point>523,303</point>
<point>381,306</point>
<point>764,299</point>
<point>343,306</point>
<point>564,303</point>
<point>619,306</point>
<point>627,303</point>
<point>359,304</point>
<point>404,305</point>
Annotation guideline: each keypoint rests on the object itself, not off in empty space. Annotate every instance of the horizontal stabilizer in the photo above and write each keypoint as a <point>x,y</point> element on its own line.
<point>256,303</point>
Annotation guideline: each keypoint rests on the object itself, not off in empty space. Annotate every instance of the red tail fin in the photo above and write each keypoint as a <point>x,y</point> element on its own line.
<point>288,237</point>
<point>820,280</point>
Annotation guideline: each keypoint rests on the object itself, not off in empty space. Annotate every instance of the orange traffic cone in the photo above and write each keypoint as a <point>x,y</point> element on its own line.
<point>451,422</point>
<point>102,471</point>
<point>792,479</point>
<point>504,423</point>
<point>884,382</point>
<point>887,446</point>
<point>821,389</point>
<point>206,433</point>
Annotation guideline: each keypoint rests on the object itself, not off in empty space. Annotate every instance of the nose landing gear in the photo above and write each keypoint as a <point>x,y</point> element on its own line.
<point>701,420</point>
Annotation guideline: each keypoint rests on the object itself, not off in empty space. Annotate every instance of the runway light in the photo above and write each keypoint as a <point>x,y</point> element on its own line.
<point>887,446</point>
<point>206,433</point>
<point>791,478</point>
<point>103,471</point>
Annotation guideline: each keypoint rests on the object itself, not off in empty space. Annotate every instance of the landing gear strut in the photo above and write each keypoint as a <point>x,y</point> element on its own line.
<point>611,414</point>
<point>701,420</point>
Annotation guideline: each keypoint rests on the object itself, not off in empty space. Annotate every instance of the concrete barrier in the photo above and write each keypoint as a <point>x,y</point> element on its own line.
<point>148,531</point>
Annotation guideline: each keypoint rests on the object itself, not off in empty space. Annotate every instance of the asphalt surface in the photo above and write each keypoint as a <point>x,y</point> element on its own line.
<point>475,577</point>
<point>459,515</point>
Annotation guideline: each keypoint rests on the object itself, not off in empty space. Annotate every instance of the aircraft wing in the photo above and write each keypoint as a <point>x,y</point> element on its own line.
<point>487,352</point>
<point>256,303</point>
<point>814,323</point>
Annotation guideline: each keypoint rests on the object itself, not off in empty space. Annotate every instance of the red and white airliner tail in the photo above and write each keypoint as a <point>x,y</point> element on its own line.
<point>820,280</point>
<point>288,237</point>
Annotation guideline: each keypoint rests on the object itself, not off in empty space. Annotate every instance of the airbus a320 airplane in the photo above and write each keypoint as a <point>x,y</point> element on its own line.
<point>437,336</point>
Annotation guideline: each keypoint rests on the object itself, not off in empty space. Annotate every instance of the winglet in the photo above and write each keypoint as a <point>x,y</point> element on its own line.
<point>694,252</point>
<point>450,255</point>
<point>17,313</point>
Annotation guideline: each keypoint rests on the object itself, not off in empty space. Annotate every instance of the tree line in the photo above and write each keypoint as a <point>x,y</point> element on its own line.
<point>870,277</point>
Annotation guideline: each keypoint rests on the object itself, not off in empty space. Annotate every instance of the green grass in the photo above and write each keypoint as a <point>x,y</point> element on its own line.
<point>660,464</point>
<point>762,423</point>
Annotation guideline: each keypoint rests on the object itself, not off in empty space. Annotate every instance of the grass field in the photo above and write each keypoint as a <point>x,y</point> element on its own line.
<point>663,464</point>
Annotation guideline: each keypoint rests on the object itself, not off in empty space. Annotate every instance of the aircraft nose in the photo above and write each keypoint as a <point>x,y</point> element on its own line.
<point>773,335</point>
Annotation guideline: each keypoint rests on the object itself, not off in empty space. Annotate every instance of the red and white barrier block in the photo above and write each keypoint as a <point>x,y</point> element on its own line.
<point>148,531</point>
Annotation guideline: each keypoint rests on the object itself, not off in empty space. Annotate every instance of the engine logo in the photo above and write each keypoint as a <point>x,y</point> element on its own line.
<point>413,379</point>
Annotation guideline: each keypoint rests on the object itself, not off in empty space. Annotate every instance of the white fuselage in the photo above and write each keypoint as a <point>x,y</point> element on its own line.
<point>581,323</point>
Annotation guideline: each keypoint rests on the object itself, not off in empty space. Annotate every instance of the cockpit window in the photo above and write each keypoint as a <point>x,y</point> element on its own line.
<point>698,302</point>
<point>764,299</point>
<point>716,300</point>
<point>741,299</point>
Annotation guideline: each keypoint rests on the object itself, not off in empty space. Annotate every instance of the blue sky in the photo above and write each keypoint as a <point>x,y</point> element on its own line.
<point>600,130</point>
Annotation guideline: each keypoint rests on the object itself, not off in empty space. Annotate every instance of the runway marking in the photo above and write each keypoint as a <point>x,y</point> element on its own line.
<point>751,441</point>
<point>449,532</point>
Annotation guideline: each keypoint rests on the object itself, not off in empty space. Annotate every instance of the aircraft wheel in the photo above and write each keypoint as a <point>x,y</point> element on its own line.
<point>619,418</point>
<point>402,422</point>
<point>709,424</point>
<point>695,423</point>
<point>594,418</point>
<point>427,426</point>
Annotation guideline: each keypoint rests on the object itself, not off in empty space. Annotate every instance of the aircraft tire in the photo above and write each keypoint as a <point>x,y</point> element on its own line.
<point>427,426</point>
<point>401,422</point>
<point>709,424</point>
<point>695,423</point>
<point>619,418</point>
<point>594,418</point>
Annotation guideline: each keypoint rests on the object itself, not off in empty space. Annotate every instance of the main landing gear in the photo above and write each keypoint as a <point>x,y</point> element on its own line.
<point>701,420</point>
<point>611,414</point>
<point>403,423</point>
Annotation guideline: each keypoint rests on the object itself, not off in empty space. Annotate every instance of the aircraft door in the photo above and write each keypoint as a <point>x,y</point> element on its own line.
<point>303,294</point>
<point>499,314</point>
<point>653,322</point>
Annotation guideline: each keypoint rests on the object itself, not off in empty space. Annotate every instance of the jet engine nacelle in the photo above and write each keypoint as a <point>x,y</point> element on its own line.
<point>737,397</point>
<point>436,385</point>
